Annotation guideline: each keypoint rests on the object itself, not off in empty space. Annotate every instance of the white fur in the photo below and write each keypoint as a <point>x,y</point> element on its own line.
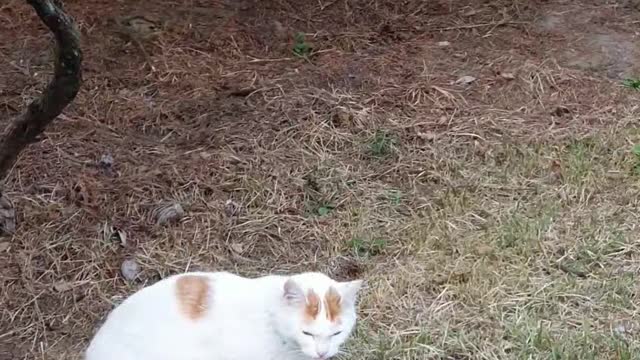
<point>246,319</point>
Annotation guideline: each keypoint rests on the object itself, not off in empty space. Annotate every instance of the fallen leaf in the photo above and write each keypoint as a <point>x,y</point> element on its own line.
<point>621,329</point>
<point>62,286</point>
<point>111,233</point>
<point>556,169</point>
<point>440,279</point>
<point>231,208</point>
<point>507,75</point>
<point>465,80</point>
<point>470,13</point>
<point>624,328</point>
<point>106,161</point>
<point>484,250</point>
<point>560,111</point>
<point>324,210</point>
<point>7,215</point>
<point>82,193</point>
<point>341,117</point>
<point>237,247</point>
<point>244,92</point>
<point>120,236</point>
<point>4,246</point>
<point>168,213</point>
<point>429,135</point>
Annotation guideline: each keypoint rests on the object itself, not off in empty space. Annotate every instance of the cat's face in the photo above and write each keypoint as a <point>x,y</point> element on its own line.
<point>321,317</point>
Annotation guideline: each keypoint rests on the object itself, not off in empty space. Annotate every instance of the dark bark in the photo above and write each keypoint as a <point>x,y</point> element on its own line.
<point>61,91</point>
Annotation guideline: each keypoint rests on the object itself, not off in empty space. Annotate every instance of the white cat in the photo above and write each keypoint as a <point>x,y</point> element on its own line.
<point>222,316</point>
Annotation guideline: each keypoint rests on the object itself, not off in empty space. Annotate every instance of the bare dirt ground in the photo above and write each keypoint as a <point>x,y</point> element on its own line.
<point>472,160</point>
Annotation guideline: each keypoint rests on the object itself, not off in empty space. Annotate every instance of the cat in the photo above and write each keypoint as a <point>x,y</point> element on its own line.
<point>223,316</point>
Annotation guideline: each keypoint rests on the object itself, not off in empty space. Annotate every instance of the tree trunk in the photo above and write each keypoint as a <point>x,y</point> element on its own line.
<point>60,92</point>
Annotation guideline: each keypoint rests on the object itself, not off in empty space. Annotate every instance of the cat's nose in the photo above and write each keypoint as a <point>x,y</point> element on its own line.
<point>322,355</point>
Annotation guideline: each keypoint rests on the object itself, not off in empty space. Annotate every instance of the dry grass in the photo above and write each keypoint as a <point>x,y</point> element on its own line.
<point>491,221</point>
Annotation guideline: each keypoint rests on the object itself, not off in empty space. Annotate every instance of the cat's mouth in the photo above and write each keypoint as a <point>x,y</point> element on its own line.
<point>323,357</point>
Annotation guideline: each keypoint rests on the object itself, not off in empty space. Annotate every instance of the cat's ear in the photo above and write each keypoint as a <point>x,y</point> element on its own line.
<point>349,290</point>
<point>293,293</point>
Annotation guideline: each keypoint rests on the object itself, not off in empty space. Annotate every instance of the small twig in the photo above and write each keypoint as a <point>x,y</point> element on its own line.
<point>244,92</point>
<point>256,60</point>
<point>474,26</point>
<point>325,6</point>
<point>147,58</point>
<point>23,70</point>
<point>466,134</point>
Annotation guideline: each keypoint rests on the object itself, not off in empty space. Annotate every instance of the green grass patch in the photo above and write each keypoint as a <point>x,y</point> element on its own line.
<point>300,46</point>
<point>632,83</point>
<point>381,144</point>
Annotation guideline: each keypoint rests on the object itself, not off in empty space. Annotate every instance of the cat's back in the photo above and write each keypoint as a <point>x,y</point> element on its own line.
<point>172,295</point>
<point>183,313</point>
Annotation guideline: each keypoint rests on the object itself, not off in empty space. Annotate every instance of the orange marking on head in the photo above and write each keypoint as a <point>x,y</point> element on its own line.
<point>193,295</point>
<point>332,304</point>
<point>312,306</point>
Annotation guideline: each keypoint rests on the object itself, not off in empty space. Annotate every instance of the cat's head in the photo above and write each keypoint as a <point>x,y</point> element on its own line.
<point>318,313</point>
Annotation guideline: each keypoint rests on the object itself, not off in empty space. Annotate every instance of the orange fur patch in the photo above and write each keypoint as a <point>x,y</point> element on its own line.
<point>312,306</point>
<point>193,294</point>
<point>332,304</point>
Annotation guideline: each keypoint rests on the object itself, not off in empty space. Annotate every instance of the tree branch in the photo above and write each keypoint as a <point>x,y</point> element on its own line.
<point>59,93</point>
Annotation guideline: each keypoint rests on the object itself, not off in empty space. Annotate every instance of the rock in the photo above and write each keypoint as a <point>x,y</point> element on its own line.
<point>130,269</point>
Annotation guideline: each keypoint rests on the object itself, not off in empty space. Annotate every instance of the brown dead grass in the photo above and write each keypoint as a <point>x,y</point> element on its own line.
<point>492,221</point>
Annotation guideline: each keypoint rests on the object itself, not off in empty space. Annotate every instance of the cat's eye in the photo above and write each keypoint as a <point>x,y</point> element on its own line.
<point>307,333</point>
<point>337,333</point>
